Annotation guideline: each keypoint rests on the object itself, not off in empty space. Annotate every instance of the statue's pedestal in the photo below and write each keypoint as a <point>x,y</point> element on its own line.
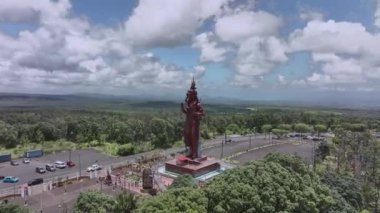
<point>195,167</point>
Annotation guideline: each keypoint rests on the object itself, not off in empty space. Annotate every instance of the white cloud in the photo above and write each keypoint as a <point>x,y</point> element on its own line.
<point>210,50</point>
<point>199,71</point>
<point>377,14</point>
<point>325,37</point>
<point>68,52</point>
<point>168,23</point>
<point>258,49</point>
<point>256,57</point>
<point>282,80</point>
<point>65,50</point>
<point>240,26</point>
<point>308,15</point>
<point>344,53</point>
<point>26,11</point>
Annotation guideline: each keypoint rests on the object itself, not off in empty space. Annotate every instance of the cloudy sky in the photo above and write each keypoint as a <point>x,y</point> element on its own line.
<point>253,49</point>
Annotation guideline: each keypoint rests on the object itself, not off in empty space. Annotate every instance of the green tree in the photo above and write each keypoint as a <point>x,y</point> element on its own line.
<point>126,149</point>
<point>93,201</point>
<point>159,131</point>
<point>285,126</point>
<point>12,208</point>
<point>8,135</point>
<point>184,199</point>
<point>347,187</point>
<point>233,128</point>
<point>185,180</point>
<point>280,133</point>
<point>266,129</point>
<point>324,149</point>
<point>320,128</point>
<point>277,184</point>
<point>24,141</point>
<point>125,202</point>
<point>39,136</point>
<point>301,128</point>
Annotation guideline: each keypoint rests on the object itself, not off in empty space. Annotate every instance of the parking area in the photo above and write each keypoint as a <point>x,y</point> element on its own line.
<point>304,150</point>
<point>238,146</point>
<point>81,158</point>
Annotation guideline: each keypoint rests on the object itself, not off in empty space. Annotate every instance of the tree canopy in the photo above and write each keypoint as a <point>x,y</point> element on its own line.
<point>93,201</point>
<point>279,183</point>
<point>12,208</point>
<point>185,180</point>
<point>183,199</point>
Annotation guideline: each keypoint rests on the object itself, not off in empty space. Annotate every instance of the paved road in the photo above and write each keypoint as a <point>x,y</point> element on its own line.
<point>87,157</point>
<point>304,150</point>
<point>238,144</point>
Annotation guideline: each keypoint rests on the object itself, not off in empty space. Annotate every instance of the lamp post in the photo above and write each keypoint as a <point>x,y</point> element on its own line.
<point>225,139</point>
<point>79,167</point>
<point>270,138</point>
<point>41,199</point>
<point>14,190</point>
<point>314,155</point>
<point>250,141</point>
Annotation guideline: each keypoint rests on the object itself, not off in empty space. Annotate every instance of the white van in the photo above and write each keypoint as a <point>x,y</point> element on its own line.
<point>60,164</point>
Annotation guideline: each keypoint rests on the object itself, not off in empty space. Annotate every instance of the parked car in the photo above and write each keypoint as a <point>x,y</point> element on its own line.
<point>1,177</point>
<point>40,170</point>
<point>14,163</point>
<point>26,160</point>
<point>94,167</point>
<point>50,167</point>
<point>10,179</point>
<point>70,163</point>
<point>60,164</point>
<point>35,181</point>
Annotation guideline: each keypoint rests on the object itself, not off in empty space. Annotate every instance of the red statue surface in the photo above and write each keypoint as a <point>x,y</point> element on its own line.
<point>194,112</point>
<point>193,163</point>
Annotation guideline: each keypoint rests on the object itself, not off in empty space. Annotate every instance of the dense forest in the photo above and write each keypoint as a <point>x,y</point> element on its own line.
<point>147,125</point>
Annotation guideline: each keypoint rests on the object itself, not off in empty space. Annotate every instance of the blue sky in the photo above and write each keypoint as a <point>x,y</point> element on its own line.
<point>252,49</point>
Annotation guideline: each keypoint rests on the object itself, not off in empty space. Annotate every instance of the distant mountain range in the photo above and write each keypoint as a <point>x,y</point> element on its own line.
<point>84,99</point>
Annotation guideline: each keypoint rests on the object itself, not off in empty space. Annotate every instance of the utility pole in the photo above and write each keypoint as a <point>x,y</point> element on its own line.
<point>314,155</point>
<point>270,137</point>
<point>250,141</point>
<point>14,190</point>
<point>79,167</point>
<point>101,184</point>
<point>225,139</point>
<point>41,201</point>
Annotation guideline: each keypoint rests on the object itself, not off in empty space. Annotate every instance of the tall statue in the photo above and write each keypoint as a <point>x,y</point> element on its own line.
<point>194,112</point>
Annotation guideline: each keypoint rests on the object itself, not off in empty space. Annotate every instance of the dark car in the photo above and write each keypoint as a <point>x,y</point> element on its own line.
<point>40,170</point>
<point>1,177</point>
<point>14,163</point>
<point>50,167</point>
<point>70,163</point>
<point>35,181</point>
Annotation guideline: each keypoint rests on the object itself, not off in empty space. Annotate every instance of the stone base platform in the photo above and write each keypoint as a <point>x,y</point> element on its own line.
<point>195,167</point>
